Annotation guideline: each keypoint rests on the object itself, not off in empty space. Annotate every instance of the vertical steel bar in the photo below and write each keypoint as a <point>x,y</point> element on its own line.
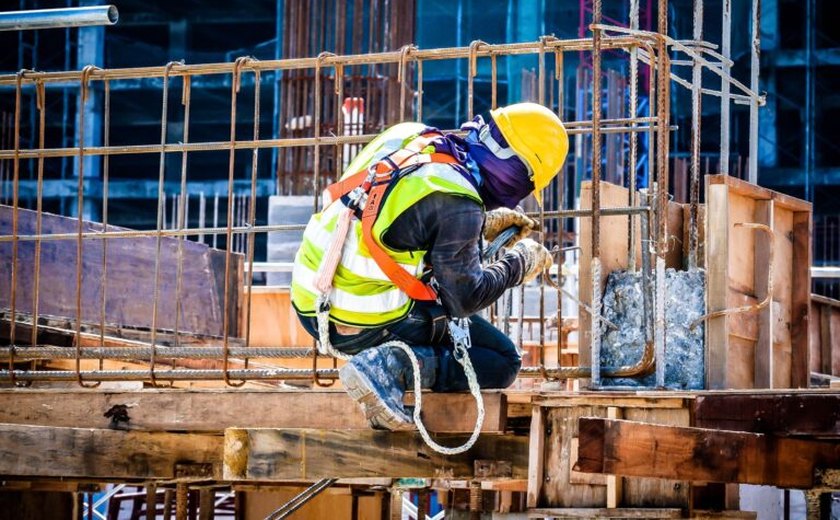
<point>252,211</point>
<point>419,90</point>
<point>726,51</point>
<point>634,138</point>
<point>339,118</point>
<point>471,73</point>
<point>810,98</point>
<point>85,78</point>
<point>15,188</point>
<point>494,84</point>
<point>402,71</point>
<point>234,90</point>
<point>164,118</point>
<point>40,93</point>
<point>595,344</point>
<point>106,164</point>
<point>696,113</point>
<point>561,199</point>
<point>755,65</point>
<point>182,215</point>
<point>541,98</point>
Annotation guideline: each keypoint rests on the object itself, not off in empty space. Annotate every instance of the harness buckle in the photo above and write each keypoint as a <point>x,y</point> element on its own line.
<point>459,331</point>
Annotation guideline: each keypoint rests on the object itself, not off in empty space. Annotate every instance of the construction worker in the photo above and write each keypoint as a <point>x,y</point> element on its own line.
<point>436,188</point>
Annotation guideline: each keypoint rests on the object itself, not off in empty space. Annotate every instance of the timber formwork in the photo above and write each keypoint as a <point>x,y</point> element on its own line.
<point>96,305</point>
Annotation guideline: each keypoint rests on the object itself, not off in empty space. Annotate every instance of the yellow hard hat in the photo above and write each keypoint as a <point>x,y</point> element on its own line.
<point>537,136</point>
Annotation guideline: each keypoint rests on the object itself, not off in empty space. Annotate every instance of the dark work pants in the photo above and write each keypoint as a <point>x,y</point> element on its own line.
<point>493,354</point>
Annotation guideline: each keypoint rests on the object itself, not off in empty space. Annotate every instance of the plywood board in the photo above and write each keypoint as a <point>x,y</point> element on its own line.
<point>130,285</point>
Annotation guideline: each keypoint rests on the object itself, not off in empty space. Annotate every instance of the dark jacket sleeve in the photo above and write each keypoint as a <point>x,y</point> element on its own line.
<point>449,228</point>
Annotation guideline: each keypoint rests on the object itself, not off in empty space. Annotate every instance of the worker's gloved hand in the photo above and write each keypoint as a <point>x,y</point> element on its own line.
<point>535,258</point>
<point>500,219</point>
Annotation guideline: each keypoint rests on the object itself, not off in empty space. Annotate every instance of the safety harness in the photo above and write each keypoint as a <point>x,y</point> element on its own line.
<point>366,191</point>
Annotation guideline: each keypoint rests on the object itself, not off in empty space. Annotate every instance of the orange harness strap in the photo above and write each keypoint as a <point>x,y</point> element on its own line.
<point>384,169</point>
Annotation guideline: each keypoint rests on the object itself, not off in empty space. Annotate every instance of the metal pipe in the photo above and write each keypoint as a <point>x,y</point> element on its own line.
<point>301,499</point>
<point>726,50</point>
<point>755,51</point>
<point>59,18</point>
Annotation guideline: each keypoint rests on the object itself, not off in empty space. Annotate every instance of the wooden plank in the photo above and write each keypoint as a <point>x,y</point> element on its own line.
<point>753,191</point>
<point>615,483</point>
<point>801,295</point>
<point>44,451</point>
<point>764,341</point>
<point>600,512</point>
<point>130,269</point>
<point>216,410</point>
<point>273,322</point>
<point>656,492</point>
<point>276,454</point>
<point>717,272</point>
<point>824,318</point>
<point>536,456</point>
<point>559,490</point>
<point>782,414</point>
<point>643,399</point>
<point>697,454</point>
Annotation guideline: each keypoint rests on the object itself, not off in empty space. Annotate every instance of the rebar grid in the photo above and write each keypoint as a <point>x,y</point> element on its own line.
<point>650,48</point>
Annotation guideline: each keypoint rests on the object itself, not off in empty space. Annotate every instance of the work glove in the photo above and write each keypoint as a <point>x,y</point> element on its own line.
<point>535,258</point>
<point>500,219</point>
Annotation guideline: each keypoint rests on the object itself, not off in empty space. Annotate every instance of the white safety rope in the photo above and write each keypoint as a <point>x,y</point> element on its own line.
<point>462,344</point>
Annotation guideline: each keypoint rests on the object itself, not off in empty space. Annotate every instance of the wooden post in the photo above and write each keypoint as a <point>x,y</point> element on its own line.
<point>151,500</point>
<point>206,506</point>
<point>536,455</point>
<point>717,267</point>
<point>615,484</point>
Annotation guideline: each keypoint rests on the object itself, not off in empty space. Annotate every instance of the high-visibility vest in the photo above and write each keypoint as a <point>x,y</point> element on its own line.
<point>363,294</point>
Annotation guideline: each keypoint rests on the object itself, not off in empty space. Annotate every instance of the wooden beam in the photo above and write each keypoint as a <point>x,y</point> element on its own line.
<point>596,512</point>
<point>717,268</point>
<point>815,413</point>
<point>40,451</point>
<point>695,454</point>
<point>277,454</point>
<point>800,300</point>
<point>215,410</point>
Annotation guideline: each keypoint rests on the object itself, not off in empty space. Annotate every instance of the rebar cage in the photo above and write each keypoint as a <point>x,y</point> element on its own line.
<point>95,339</point>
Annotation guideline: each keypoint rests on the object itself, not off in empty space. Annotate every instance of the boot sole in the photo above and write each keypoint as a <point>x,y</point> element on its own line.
<point>361,389</point>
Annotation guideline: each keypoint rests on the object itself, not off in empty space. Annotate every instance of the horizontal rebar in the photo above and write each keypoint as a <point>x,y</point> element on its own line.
<point>447,53</point>
<point>215,146</point>
<point>144,353</point>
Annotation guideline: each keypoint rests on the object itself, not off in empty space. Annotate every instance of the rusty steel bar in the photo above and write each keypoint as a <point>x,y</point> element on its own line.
<point>767,298</point>
<point>15,186</point>
<point>40,93</point>
<point>106,165</point>
<point>234,90</point>
<point>377,58</point>
<point>696,114</point>
<point>79,247</point>
<point>182,214</point>
<point>595,268</point>
<point>632,109</point>
<point>755,65</point>
<point>252,212</point>
<point>573,128</point>
<point>161,215</point>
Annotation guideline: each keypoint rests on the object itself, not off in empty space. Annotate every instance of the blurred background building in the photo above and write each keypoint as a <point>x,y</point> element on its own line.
<point>799,149</point>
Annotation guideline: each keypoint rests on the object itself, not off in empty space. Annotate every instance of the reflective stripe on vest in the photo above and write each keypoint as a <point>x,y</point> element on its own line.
<point>363,296</point>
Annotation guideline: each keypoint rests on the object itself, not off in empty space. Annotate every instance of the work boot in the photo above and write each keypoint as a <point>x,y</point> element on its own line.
<point>377,379</point>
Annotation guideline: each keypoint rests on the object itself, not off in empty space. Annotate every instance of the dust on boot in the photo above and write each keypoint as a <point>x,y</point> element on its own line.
<point>377,379</point>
